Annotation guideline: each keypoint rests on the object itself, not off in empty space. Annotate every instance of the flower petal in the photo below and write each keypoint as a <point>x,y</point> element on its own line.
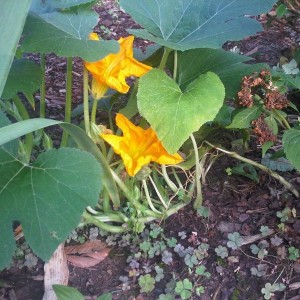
<point>138,147</point>
<point>113,70</point>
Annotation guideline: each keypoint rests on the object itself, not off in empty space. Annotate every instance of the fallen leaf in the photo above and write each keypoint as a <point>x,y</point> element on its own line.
<point>88,254</point>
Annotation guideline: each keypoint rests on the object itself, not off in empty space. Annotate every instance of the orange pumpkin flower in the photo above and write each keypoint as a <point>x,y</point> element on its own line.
<point>138,147</point>
<point>112,70</point>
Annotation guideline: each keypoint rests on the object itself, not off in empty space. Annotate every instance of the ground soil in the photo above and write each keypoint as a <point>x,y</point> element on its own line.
<point>236,203</point>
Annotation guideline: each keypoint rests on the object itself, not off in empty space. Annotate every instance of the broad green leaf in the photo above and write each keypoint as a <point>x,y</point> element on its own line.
<point>189,24</point>
<point>24,76</point>
<point>11,147</point>
<point>230,67</point>
<point>64,292</point>
<point>66,34</point>
<point>45,6</point>
<point>16,130</point>
<point>279,164</point>
<point>47,197</point>
<point>12,18</point>
<point>291,144</point>
<point>246,170</point>
<point>175,114</point>
<point>242,117</point>
<point>223,118</point>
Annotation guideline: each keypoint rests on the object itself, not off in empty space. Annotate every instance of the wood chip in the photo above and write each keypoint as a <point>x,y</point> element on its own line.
<point>56,272</point>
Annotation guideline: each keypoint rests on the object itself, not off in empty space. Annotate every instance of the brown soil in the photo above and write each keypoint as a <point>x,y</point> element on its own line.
<point>236,203</point>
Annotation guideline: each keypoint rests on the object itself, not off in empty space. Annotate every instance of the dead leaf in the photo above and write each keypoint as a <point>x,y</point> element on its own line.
<point>88,254</point>
<point>294,286</point>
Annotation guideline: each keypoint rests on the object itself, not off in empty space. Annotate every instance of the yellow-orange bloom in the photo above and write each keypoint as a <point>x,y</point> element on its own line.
<point>138,147</point>
<point>112,70</point>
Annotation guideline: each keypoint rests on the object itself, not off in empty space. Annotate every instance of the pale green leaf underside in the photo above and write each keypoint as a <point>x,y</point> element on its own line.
<point>47,198</point>
<point>189,24</point>
<point>66,34</point>
<point>24,76</point>
<point>12,18</point>
<point>291,143</point>
<point>174,114</point>
<point>242,117</point>
<point>12,146</point>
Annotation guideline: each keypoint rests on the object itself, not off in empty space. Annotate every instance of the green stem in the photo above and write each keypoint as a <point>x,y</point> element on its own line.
<point>177,178</point>
<point>175,65</point>
<point>68,104</point>
<point>158,193</point>
<point>25,116</point>
<point>148,196</point>
<point>43,88</point>
<point>164,58</point>
<point>94,111</point>
<point>284,122</point>
<point>86,112</point>
<point>89,219</point>
<point>129,197</point>
<point>100,93</point>
<point>169,182</point>
<point>106,205</point>
<point>199,197</point>
<point>259,166</point>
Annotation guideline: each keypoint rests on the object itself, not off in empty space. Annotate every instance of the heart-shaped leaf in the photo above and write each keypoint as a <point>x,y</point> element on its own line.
<point>66,34</point>
<point>24,76</point>
<point>291,143</point>
<point>47,198</point>
<point>230,67</point>
<point>175,114</point>
<point>189,24</point>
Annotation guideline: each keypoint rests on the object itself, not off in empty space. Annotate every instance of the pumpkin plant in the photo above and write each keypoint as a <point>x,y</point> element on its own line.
<point>51,192</point>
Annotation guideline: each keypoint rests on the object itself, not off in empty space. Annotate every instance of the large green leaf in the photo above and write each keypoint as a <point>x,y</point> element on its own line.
<point>230,67</point>
<point>45,6</point>
<point>24,76</point>
<point>291,144</point>
<point>242,117</point>
<point>47,198</point>
<point>16,130</point>
<point>12,18</point>
<point>175,114</point>
<point>188,24</point>
<point>65,33</point>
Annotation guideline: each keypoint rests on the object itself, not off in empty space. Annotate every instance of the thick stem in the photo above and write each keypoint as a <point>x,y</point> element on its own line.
<point>43,88</point>
<point>25,116</point>
<point>68,104</point>
<point>164,58</point>
<point>259,166</point>
<point>169,182</point>
<point>86,112</point>
<point>175,65</point>
<point>89,219</point>
<point>148,197</point>
<point>199,197</point>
